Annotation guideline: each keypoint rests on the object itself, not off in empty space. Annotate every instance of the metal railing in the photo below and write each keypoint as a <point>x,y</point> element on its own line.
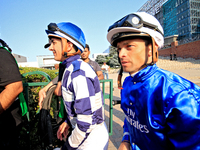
<point>110,97</point>
<point>103,82</point>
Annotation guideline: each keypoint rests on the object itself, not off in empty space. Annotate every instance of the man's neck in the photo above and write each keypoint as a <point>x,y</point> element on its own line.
<point>87,60</point>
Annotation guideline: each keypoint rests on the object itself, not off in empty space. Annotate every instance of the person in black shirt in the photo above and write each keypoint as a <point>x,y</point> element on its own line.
<point>10,87</point>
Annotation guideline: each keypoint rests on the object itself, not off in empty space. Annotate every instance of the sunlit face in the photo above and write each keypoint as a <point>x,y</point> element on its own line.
<point>85,54</point>
<point>133,54</point>
<point>56,48</point>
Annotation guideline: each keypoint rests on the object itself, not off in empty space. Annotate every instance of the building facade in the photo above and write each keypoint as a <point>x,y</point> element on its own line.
<point>20,58</point>
<point>178,17</point>
<point>46,61</point>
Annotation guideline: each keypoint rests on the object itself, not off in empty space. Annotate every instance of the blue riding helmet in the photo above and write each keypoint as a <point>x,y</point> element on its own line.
<point>68,31</point>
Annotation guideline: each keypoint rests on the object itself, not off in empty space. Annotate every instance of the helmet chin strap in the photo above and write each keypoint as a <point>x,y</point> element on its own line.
<point>154,53</point>
<point>65,51</point>
<point>119,78</point>
<point>65,54</point>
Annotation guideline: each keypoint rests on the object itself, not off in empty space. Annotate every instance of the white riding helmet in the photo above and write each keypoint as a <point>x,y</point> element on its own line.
<point>139,24</point>
<point>136,24</point>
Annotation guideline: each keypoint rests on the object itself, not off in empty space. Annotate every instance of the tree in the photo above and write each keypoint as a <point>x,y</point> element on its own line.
<point>100,59</point>
<point>111,59</point>
<point>112,51</point>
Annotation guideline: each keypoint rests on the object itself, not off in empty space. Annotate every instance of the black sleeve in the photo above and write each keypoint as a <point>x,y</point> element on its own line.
<point>9,71</point>
<point>61,71</point>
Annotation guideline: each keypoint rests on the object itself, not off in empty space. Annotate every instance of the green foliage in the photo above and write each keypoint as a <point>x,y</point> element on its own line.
<point>111,59</point>
<point>100,59</point>
<point>51,73</point>
<point>112,51</point>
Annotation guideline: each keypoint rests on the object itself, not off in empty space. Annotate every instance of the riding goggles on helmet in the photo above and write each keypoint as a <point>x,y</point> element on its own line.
<point>135,21</point>
<point>53,27</point>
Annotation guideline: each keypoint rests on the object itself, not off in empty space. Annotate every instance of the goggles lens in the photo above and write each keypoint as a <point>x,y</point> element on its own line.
<point>53,27</point>
<point>133,20</point>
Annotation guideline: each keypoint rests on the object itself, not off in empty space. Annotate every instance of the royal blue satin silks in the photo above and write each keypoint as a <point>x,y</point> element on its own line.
<point>162,111</point>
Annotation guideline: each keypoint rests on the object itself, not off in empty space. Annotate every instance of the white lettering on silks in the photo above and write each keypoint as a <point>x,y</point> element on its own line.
<point>130,118</point>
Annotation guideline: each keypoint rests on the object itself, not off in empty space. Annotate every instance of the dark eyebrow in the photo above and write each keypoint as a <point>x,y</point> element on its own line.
<point>125,43</point>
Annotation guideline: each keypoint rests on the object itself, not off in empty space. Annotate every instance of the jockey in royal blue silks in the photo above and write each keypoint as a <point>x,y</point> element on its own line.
<point>161,108</point>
